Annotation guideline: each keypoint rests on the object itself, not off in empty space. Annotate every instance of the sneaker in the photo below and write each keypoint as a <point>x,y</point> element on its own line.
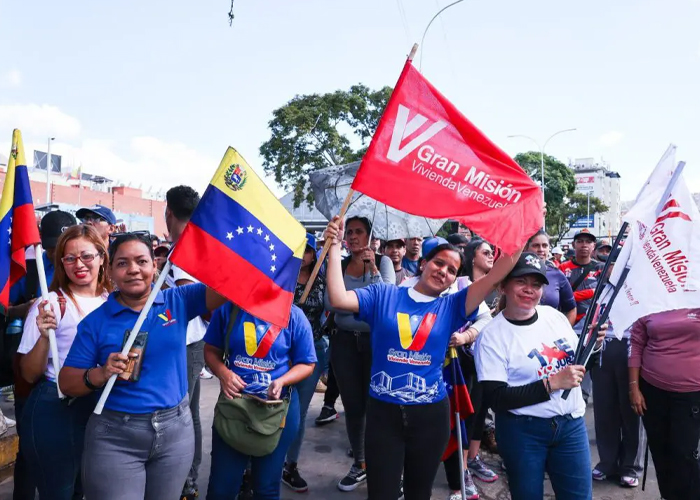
<point>205,374</point>
<point>354,478</point>
<point>328,415</point>
<point>598,476</point>
<point>629,481</point>
<point>480,471</point>
<point>401,490</point>
<point>469,487</point>
<point>292,478</point>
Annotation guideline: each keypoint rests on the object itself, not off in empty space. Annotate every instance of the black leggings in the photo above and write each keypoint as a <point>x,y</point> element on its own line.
<point>672,422</point>
<point>332,392</point>
<point>454,466</point>
<point>404,438</point>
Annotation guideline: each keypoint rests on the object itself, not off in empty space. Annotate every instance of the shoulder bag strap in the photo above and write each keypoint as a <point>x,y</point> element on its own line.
<point>229,329</point>
<point>584,272</point>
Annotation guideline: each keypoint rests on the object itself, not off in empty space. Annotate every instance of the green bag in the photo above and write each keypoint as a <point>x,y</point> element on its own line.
<point>247,424</point>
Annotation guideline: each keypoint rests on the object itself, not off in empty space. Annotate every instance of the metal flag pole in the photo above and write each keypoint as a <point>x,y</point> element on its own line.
<point>458,423</point>
<point>343,209</point>
<point>134,333</point>
<point>53,346</point>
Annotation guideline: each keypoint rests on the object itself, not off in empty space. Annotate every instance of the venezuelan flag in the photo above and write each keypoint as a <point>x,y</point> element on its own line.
<point>460,402</point>
<point>243,243</point>
<point>18,228</point>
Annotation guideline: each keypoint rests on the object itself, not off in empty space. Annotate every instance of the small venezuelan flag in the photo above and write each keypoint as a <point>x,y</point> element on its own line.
<point>18,228</point>
<point>243,243</point>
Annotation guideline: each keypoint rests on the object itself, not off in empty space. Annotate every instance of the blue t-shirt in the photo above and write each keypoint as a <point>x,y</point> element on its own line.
<point>558,293</point>
<point>410,265</point>
<point>253,355</point>
<point>163,375</point>
<point>409,341</point>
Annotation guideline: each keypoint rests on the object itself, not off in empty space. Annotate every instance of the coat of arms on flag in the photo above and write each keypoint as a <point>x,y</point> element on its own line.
<point>235,176</point>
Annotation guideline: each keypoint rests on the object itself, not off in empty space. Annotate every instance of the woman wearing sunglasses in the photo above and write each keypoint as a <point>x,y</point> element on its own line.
<point>142,445</point>
<point>53,429</point>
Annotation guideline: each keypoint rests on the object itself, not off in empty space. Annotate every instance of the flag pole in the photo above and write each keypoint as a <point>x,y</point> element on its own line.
<point>53,346</point>
<point>134,333</point>
<point>458,424</point>
<point>343,209</point>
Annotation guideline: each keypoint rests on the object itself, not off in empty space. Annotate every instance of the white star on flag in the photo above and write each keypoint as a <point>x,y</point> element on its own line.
<point>267,237</point>
<point>250,229</point>
<point>9,230</point>
<point>273,268</point>
<point>229,236</point>
<point>272,247</point>
<point>259,232</point>
<point>239,230</point>
<point>274,257</point>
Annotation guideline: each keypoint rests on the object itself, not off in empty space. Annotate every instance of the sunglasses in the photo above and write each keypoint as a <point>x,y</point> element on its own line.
<point>144,235</point>
<point>85,258</point>
<point>93,218</point>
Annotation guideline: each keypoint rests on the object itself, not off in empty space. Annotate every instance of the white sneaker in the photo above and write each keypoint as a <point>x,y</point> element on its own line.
<point>205,374</point>
<point>10,422</point>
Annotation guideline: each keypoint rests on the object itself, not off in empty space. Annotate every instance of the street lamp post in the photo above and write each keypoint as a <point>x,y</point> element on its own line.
<point>48,171</point>
<point>542,148</point>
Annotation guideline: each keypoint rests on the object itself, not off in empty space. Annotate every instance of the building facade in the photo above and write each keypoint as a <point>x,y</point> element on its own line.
<point>598,180</point>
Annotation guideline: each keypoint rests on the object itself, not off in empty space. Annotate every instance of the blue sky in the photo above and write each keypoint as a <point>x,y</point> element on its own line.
<point>152,92</point>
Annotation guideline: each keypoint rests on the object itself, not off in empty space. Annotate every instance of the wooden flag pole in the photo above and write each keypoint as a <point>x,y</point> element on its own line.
<point>324,252</point>
<point>343,209</point>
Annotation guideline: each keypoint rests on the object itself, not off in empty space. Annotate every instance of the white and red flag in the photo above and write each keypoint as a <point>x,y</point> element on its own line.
<point>427,159</point>
<point>662,251</point>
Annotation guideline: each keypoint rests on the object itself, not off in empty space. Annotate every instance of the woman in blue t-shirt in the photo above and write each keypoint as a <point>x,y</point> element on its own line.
<point>557,293</point>
<point>408,421</point>
<point>142,445</point>
<point>263,361</point>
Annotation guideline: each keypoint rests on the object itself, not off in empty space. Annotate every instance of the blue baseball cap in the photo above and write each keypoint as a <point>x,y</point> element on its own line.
<point>430,243</point>
<point>311,241</point>
<point>99,210</point>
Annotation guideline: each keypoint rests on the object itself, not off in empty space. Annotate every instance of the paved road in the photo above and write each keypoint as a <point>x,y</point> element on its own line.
<point>323,462</point>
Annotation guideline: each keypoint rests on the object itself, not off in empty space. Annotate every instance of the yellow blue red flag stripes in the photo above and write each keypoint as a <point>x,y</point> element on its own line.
<point>18,228</point>
<point>243,243</point>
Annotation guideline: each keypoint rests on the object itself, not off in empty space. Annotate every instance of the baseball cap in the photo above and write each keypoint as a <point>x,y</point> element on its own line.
<point>52,226</point>
<point>311,241</point>
<point>457,239</point>
<point>99,210</point>
<point>400,241</point>
<point>603,243</point>
<point>527,264</point>
<point>162,249</point>
<point>584,232</point>
<point>557,250</point>
<point>430,243</point>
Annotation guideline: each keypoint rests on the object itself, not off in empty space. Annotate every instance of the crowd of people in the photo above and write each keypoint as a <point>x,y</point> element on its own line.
<point>375,331</point>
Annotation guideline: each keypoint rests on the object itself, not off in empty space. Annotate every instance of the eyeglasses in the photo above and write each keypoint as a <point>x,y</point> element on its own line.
<point>85,258</point>
<point>93,218</point>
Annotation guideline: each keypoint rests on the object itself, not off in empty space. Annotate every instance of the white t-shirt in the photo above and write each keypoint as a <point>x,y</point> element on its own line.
<point>522,354</point>
<point>197,327</point>
<point>67,326</point>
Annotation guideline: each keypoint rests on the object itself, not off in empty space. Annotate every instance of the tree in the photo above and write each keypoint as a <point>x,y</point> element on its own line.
<point>564,205</point>
<point>314,131</point>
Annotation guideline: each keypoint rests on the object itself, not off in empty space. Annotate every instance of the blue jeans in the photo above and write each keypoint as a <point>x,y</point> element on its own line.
<point>52,437</point>
<point>228,465</point>
<point>305,389</point>
<point>530,446</point>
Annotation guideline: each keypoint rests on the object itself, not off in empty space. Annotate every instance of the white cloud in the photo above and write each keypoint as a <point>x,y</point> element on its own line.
<point>11,78</point>
<point>39,121</point>
<point>611,138</point>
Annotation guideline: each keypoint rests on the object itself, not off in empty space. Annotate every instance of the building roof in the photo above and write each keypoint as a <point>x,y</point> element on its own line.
<point>309,217</point>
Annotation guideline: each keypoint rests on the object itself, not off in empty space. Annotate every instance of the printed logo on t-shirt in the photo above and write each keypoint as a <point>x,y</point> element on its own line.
<point>552,358</point>
<point>167,318</point>
<point>414,330</point>
<point>252,346</point>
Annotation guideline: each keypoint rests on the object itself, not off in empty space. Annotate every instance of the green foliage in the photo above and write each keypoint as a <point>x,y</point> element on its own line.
<point>564,204</point>
<point>314,131</point>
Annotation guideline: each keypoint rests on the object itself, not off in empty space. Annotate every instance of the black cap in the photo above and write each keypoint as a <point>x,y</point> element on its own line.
<point>529,263</point>
<point>603,244</point>
<point>584,232</point>
<point>52,226</point>
<point>457,239</point>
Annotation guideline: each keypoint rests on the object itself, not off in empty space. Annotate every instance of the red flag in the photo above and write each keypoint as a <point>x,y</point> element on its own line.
<point>427,159</point>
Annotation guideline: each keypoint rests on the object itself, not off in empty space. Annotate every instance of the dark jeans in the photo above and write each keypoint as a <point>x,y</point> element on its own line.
<point>332,393</point>
<point>351,357</point>
<point>475,423</point>
<point>144,456</point>
<point>24,482</point>
<point>672,422</point>
<point>617,427</point>
<point>53,431</point>
<point>195,363</point>
<point>408,439</point>
<point>228,465</point>
<point>531,446</point>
